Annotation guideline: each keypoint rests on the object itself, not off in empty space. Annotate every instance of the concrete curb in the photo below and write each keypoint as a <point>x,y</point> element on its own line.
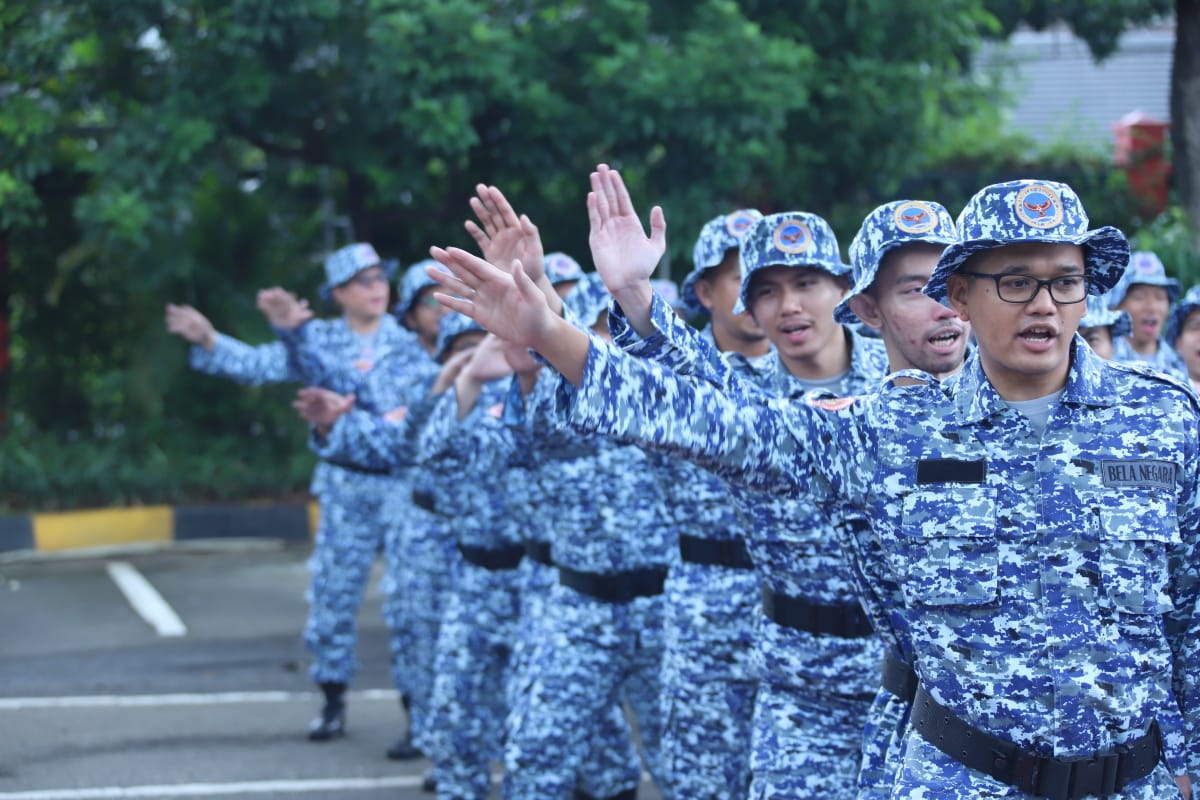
<point>87,529</point>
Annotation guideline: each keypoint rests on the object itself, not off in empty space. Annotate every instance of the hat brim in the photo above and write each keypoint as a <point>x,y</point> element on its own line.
<point>1105,256</point>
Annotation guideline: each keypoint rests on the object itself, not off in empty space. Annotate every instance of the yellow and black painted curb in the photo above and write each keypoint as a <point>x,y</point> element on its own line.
<point>72,530</point>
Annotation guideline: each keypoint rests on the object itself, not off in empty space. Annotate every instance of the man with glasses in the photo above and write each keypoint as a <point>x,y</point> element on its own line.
<point>1039,509</point>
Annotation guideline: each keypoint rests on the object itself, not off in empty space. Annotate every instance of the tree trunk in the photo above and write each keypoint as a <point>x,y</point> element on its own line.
<point>1185,110</point>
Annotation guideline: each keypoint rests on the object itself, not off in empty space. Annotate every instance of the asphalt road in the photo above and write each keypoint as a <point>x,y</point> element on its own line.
<point>98,702</point>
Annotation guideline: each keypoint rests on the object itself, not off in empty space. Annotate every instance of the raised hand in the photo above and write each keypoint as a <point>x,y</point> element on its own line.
<point>506,303</point>
<point>488,363</point>
<point>504,237</point>
<point>624,256</point>
<point>322,407</point>
<point>450,370</point>
<point>193,326</point>
<point>282,309</point>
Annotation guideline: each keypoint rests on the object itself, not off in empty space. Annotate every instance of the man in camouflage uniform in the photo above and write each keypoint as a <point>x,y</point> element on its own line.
<point>1040,508</point>
<point>1146,293</point>
<point>1102,326</point>
<point>816,660</point>
<point>1183,332</point>
<point>360,353</point>
<point>711,590</point>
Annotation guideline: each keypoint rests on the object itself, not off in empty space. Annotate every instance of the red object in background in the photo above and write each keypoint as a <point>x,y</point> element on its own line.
<point>1141,151</point>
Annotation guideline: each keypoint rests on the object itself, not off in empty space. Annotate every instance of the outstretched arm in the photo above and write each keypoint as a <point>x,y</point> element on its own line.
<point>215,353</point>
<point>509,305</point>
<point>624,256</point>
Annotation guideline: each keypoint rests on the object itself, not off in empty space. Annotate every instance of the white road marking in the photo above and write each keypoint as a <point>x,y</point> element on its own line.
<point>145,599</point>
<point>151,700</point>
<point>218,789</point>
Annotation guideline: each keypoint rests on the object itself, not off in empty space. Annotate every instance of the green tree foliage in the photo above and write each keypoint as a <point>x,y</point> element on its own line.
<point>196,150</point>
<point>1099,23</point>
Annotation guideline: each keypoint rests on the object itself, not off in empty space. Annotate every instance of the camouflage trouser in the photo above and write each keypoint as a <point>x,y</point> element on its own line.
<point>812,705</point>
<point>882,737</point>
<point>592,656</point>
<point>349,536</point>
<point>927,773</point>
<point>612,764</point>
<point>807,744</point>
<point>470,687</point>
<point>709,680</point>
<point>416,598</point>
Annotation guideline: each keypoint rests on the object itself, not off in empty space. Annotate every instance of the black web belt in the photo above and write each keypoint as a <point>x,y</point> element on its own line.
<point>898,677</point>
<point>1043,776</point>
<point>360,470</point>
<point>494,559</point>
<point>714,552</point>
<point>423,500</point>
<point>846,622</point>
<point>539,552</point>
<point>618,587</point>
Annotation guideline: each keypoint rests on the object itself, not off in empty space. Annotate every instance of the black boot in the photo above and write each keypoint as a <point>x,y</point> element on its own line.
<point>403,749</point>
<point>428,782</point>
<point>332,722</point>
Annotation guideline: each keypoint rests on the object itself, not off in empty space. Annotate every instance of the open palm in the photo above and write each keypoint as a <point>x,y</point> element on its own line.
<point>506,303</point>
<point>624,256</point>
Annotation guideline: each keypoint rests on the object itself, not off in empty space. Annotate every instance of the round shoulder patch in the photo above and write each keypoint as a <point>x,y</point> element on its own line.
<point>792,236</point>
<point>1039,206</point>
<point>832,403</point>
<point>738,223</point>
<point>915,217</point>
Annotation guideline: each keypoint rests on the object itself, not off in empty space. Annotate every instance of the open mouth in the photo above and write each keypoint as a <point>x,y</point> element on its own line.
<point>1038,334</point>
<point>945,338</point>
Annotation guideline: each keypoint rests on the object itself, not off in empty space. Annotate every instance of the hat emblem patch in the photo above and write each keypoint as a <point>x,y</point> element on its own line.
<point>1144,264</point>
<point>915,217</point>
<point>1039,206</point>
<point>792,236</point>
<point>738,223</point>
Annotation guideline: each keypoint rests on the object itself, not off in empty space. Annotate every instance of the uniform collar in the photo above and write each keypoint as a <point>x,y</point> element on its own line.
<point>977,400</point>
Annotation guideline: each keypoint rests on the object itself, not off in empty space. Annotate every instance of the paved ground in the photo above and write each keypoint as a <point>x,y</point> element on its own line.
<point>100,703</point>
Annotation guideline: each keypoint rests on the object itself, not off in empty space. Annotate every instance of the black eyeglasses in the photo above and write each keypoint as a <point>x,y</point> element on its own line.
<point>1014,288</point>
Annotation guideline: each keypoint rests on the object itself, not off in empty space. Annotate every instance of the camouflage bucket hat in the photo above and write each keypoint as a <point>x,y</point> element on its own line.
<point>588,299</point>
<point>1147,269</point>
<point>343,264</point>
<point>450,328</point>
<point>414,281</point>
<point>790,239</point>
<point>1179,314</point>
<point>1099,315</point>
<point>561,268</point>
<point>1034,211</point>
<point>718,236</point>
<point>890,226</point>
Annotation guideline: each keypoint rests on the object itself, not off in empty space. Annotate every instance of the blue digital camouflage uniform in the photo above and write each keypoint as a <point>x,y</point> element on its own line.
<point>888,227</point>
<point>601,637</point>
<point>382,371</point>
<point>1145,268</point>
<point>815,688</point>
<point>423,540</point>
<point>1050,581</point>
<point>479,626</point>
<point>349,522</point>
